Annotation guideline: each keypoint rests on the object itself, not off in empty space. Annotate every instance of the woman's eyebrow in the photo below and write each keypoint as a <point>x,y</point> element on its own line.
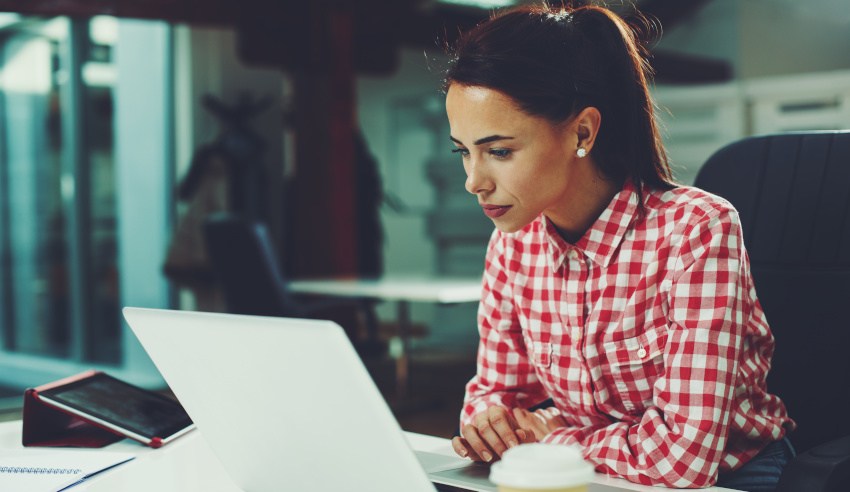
<point>491,138</point>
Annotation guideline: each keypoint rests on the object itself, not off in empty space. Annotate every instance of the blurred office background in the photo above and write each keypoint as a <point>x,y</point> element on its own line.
<point>101,116</point>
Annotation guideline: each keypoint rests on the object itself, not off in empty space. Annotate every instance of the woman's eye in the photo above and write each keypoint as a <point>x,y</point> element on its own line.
<point>500,153</point>
<point>464,153</point>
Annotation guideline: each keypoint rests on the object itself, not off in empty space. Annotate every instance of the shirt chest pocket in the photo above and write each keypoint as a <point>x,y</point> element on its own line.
<point>633,365</point>
<point>540,353</point>
<point>541,356</point>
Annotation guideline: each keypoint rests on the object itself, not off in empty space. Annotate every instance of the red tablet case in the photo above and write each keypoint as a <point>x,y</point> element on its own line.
<point>46,425</point>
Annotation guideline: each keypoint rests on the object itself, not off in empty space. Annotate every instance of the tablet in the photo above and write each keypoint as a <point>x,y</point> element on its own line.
<point>137,413</point>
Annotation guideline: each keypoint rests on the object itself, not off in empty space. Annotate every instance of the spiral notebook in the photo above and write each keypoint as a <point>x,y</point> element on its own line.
<point>23,471</point>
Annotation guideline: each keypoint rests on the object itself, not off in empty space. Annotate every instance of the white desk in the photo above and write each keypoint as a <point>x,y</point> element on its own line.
<point>188,465</point>
<point>402,291</point>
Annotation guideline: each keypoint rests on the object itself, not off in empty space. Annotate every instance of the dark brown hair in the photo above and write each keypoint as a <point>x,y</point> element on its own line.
<point>556,61</point>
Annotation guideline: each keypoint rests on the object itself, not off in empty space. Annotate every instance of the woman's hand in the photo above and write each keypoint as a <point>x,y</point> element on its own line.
<point>492,433</point>
<point>540,422</point>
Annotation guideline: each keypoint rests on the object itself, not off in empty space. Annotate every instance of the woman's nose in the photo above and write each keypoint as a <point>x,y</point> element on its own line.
<point>477,180</point>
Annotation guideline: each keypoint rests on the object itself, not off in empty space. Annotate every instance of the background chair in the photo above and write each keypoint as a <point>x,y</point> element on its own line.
<point>245,262</point>
<point>792,192</point>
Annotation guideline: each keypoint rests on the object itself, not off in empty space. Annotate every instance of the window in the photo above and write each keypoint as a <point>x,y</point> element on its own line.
<point>57,192</point>
<point>60,288</point>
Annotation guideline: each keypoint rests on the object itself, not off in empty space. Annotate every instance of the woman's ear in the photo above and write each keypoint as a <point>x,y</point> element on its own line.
<point>586,125</point>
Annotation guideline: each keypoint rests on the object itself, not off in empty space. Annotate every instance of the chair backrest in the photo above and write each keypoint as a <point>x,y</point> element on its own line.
<point>792,192</point>
<point>244,261</point>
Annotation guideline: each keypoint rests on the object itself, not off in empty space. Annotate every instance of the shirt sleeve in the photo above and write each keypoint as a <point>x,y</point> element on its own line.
<point>505,375</point>
<point>679,440</point>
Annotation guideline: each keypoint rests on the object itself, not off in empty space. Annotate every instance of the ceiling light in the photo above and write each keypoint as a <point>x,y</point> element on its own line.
<point>8,19</point>
<point>484,4</point>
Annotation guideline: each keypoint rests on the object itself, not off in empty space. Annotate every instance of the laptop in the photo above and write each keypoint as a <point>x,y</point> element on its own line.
<point>286,403</point>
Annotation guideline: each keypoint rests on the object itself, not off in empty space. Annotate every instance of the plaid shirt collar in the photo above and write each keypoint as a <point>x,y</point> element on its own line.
<point>600,242</point>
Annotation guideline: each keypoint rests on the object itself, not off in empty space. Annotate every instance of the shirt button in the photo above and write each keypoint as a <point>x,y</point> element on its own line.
<point>573,254</point>
<point>642,353</point>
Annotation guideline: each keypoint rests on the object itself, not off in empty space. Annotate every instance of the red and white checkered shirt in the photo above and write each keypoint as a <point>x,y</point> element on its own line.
<point>647,335</point>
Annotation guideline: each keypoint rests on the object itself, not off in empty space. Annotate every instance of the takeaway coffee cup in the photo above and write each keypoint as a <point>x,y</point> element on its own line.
<point>541,467</point>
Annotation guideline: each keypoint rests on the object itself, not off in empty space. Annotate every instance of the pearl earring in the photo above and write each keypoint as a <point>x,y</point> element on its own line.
<point>581,152</point>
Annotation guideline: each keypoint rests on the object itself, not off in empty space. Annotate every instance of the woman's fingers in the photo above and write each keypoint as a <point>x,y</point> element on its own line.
<point>464,450</point>
<point>496,430</point>
<point>523,418</point>
<point>526,436</point>
<point>552,418</point>
<point>477,443</point>
<point>556,423</point>
<point>492,433</point>
<point>497,426</point>
<point>505,424</point>
<point>532,423</point>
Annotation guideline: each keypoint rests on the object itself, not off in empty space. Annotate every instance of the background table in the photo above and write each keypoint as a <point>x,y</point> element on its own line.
<point>401,290</point>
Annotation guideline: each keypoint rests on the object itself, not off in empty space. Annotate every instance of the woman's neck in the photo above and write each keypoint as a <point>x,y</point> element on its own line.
<point>585,204</point>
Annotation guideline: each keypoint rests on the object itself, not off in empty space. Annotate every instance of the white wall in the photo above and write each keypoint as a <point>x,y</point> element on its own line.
<point>771,45</point>
<point>767,37</point>
<point>711,32</point>
<point>407,248</point>
<point>788,37</point>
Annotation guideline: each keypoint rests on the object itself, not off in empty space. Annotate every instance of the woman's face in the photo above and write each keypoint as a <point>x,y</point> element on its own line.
<point>517,165</point>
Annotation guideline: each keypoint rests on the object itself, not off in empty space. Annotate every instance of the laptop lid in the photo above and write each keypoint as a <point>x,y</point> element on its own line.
<point>285,404</point>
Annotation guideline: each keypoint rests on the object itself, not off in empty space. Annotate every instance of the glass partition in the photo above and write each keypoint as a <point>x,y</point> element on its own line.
<point>33,239</point>
<point>58,277</point>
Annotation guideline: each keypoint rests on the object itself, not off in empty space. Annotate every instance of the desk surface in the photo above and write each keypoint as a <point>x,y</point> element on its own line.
<point>395,288</point>
<point>188,465</point>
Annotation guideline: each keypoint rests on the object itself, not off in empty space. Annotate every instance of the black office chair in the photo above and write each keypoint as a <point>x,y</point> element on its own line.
<point>246,265</point>
<point>792,192</point>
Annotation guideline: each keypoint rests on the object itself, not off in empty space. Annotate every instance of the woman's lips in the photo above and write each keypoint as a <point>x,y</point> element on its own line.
<point>494,211</point>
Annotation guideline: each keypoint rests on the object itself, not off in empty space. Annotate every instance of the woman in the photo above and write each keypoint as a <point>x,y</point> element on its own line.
<point>623,298</point>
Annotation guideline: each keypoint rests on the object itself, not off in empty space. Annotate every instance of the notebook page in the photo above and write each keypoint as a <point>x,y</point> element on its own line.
<point>54,470</point>
<point>21,482</point>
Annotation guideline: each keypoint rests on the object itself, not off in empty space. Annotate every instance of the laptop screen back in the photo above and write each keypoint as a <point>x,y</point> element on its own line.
<point>285,404</point>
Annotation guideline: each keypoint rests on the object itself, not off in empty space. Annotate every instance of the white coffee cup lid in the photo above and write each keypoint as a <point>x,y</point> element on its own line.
<point>539,465</point>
